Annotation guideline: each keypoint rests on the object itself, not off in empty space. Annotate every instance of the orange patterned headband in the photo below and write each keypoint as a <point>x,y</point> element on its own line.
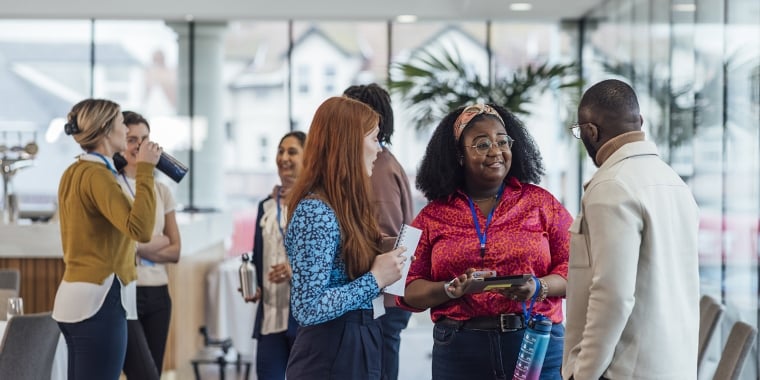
<point>469,113</point>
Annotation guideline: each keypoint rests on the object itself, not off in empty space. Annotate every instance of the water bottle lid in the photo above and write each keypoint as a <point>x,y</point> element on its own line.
<point>540,322</point>
<point>245,257</point>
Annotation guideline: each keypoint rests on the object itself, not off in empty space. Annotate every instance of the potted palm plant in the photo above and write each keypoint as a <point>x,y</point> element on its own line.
<point>435,82</point>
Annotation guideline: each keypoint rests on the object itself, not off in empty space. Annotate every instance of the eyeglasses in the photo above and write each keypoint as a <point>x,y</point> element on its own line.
<point>482,147</point>
<point>576,129</point>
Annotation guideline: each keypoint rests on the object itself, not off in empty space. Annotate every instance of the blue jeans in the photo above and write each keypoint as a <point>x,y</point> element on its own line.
<point>476,354</point>
<point>272,352</point>
<point>98,344</point>
<point>392,323</point>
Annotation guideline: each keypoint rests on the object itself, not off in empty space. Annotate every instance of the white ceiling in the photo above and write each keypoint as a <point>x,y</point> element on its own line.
<point>465,10</point>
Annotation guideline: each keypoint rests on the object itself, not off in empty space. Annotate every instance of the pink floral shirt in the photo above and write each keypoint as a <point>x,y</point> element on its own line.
<point>528,233</point>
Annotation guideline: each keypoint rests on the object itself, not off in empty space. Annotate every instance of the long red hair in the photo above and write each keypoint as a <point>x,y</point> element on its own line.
<point>334,170</point>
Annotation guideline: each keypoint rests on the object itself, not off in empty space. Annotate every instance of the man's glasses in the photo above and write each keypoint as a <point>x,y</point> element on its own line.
<point>576,129</point>
<point>482,147</point>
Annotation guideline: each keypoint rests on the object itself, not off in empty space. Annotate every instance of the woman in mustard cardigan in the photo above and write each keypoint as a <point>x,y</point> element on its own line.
<point>98,227</point>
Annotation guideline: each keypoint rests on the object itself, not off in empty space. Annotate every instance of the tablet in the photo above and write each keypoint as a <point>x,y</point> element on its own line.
<point>488,283</point>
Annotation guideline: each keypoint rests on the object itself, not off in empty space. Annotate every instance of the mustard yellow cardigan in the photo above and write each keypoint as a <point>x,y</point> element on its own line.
<point>99,223</point>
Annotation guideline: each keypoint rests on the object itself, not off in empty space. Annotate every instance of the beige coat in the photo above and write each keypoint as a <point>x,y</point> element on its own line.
<point>633,282</point>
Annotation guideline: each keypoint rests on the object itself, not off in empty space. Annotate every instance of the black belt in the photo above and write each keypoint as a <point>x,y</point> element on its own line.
<point>501,322</point>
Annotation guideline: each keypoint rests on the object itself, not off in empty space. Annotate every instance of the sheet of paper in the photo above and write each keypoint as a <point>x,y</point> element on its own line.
<point>378,308</point>
<point>408,237</point>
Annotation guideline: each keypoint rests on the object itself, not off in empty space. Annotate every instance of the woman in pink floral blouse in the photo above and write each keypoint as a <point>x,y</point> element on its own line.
<point>486,214</point>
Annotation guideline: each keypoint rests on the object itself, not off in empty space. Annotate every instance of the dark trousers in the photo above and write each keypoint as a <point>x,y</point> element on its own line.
<point>97,345</point>
<point>146,342</point>
<point>392,323</point>
<point>476,354</point>
<point>348,347</point>
<point>272,352</point>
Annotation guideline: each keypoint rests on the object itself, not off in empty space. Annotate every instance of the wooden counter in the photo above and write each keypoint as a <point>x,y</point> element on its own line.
<point>35,249</point>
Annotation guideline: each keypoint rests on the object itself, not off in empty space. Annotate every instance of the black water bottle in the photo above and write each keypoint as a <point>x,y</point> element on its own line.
<point>166,164</point>
<point>171,167</point>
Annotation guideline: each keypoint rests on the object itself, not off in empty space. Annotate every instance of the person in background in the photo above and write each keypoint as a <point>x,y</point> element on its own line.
<point>393,205</point>
<point>99,225</point>
<point>633,252</point>
<point>275,327</point>
<point>333,244</point>
<point>146,335</point>
<point>486,214</point>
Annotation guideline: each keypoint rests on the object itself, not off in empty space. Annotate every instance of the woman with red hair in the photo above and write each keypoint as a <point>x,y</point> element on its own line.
<point>333,243</point>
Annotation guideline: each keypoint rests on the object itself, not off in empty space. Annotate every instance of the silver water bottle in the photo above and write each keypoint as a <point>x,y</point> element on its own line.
<point>247,277</point>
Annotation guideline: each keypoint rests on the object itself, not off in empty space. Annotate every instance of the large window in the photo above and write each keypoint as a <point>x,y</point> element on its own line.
<point>41,77</point>
<point>695,66</point>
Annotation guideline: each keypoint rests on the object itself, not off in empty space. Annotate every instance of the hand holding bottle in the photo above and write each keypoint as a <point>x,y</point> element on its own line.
<point>149,152</point>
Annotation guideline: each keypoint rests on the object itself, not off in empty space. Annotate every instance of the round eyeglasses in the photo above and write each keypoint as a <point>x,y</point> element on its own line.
<point>482,147</point>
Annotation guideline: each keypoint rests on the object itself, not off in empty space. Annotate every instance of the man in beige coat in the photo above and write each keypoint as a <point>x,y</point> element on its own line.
<point>633,282</point>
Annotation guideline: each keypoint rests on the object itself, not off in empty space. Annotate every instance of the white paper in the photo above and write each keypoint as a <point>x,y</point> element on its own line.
<point>378,307</point>
<point>408,237</point>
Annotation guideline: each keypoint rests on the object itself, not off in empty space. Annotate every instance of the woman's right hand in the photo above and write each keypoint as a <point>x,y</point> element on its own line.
<point>459,285</point>
<point>149,152</point>
<point>255,298</point>
<point>387,267</point>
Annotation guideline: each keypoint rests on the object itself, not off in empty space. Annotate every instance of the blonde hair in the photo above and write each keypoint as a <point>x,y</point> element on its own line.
<point>90,120</point>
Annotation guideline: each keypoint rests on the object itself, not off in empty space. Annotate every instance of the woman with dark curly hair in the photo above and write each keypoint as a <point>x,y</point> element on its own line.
<point>487,217</point>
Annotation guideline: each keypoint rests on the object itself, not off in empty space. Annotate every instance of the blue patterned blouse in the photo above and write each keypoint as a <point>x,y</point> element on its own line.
<point>321,290</point>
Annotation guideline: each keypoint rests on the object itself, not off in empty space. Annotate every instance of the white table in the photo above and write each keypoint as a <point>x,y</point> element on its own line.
<point>60,360</point>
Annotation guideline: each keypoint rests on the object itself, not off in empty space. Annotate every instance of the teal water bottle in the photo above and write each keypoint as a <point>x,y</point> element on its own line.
<point>533,348</point>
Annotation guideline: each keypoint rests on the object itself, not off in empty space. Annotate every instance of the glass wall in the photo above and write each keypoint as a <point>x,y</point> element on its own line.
<point>696,68</point>
<point>220,95</point>
<point>695,65</point>
<point>42,75</point>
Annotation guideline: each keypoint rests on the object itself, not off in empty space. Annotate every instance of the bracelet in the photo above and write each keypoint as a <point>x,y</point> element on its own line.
<point>544,290</point>
<point>446,290</point>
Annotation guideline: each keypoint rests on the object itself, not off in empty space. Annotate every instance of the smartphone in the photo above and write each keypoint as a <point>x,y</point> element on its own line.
<point>498,282</point>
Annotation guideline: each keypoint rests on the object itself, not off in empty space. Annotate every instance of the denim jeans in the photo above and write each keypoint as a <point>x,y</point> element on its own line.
<point>392,323</point>
<point>476,354</point>
<point>98,344</point>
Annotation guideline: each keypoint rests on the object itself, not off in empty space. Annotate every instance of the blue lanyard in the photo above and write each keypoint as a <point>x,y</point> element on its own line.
<point>108,164</point>
<point>279,211</point>
<point>128,187</point>
<point>482,235</point>
<point>527,313</point>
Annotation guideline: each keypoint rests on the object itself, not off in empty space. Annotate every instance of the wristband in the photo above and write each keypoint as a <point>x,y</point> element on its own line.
<point>446,289</point>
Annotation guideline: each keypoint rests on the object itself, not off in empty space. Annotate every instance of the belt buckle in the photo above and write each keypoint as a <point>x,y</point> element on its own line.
<point>503,323</point>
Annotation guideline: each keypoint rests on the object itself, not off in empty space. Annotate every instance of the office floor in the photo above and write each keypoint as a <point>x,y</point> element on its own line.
<point>414,362</point>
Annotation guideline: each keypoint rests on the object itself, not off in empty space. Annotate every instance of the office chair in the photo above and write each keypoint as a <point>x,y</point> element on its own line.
<point>28,347</point>
<point>735,352</point>
<point>710,312</point>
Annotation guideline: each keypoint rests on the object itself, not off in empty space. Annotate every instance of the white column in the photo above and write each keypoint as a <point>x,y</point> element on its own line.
<point>208,156</point>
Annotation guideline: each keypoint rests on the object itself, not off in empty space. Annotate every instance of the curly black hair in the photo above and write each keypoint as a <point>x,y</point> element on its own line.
<point>440,173</point>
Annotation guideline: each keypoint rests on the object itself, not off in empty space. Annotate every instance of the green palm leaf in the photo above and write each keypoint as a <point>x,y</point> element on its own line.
<point>432,84</point>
